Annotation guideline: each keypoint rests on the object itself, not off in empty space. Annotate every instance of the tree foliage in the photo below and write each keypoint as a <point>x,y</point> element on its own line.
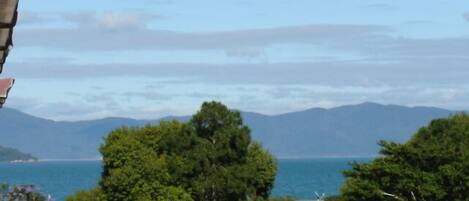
<point>432,166</point>
<point>211,157</point>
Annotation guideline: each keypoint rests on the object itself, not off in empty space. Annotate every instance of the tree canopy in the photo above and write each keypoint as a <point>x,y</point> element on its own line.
<point>211,157</point>
<point>432,166</point>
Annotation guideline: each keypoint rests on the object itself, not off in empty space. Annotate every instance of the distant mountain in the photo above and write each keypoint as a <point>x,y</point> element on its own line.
<point>347,131</point>
<point>49,139</point>
<point>9,154</point>
<point>338,132</point>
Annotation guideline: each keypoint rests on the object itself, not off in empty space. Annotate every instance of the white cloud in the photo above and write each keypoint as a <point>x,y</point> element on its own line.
<point>144,39</point>
<point>185,99</point>
<point>124,32</point>
<point>111,21</point>
<point>117,21</point>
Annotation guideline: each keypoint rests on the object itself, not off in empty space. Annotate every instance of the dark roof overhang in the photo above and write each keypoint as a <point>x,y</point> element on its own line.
<point>8,19</point>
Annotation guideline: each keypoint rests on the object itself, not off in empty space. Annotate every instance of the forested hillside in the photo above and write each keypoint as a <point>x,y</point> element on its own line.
<point>9,154</point>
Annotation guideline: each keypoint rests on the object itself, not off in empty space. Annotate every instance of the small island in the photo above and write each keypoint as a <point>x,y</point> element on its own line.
<point>15,156</point>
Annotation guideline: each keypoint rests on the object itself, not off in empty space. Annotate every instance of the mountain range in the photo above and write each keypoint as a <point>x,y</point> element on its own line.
<point>346,131</point>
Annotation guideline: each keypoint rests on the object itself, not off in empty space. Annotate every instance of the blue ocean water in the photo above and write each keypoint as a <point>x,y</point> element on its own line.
<point>299,178</point>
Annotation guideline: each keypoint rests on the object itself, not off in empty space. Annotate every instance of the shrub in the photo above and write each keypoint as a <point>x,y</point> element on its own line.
<point>92,195</point>
<point>20,193</point>
<point>334,198</point>
<point>282,199</point>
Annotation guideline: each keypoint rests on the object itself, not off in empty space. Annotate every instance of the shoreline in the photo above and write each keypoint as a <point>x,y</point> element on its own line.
<point>100,159</point>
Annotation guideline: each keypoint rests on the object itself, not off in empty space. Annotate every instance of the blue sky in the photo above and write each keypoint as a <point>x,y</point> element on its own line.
<point>145,59</point>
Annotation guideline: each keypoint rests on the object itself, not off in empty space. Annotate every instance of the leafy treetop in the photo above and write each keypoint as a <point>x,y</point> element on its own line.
<point>209,158</point>
<point>432,166</point>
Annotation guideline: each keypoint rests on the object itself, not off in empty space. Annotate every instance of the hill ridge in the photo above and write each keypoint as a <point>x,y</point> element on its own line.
<point>349,130</point>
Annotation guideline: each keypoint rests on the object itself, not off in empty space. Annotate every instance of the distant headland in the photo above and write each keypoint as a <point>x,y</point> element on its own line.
<point>15,156</point>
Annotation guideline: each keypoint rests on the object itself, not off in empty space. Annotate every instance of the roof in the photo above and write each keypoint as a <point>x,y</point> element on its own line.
<point>5,86</point>
<point>8,18</point>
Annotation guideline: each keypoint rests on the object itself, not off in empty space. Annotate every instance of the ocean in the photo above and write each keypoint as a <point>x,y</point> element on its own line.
<point>299,178</point>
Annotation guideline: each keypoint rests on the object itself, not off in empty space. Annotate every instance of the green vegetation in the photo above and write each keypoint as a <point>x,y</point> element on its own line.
<point>9,154</point>
<point>432,166</point>
<point>20,193</point>
<point>282,199</point>
<point>92,195</point>
<point>209,158</point>
<point>333,198</point>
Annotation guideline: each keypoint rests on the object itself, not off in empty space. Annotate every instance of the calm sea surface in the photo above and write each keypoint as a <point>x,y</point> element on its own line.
<point>296,177</point>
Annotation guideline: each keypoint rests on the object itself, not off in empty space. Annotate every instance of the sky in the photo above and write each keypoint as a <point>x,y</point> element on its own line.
<point>145,59</point>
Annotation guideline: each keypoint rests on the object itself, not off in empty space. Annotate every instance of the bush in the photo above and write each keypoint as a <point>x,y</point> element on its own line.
<point>20,193</point>
<point>209,158</point>
<point>334,198</point>
<point>433,165</point>
<point>282,199</point>
<point>92,195</point>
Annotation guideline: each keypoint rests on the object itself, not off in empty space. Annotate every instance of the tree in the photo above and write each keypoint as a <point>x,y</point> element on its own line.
<point>209,158</point>
<point>433,165</point>
<point>264,168</point>
<point>135,166</point>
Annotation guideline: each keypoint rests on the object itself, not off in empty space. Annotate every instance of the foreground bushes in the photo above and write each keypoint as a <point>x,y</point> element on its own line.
<point>92,195</point>
<point>334,198</point>
<point>209,158</point>
<point>20,193</point>
<point>282,199</point>
<point>433,166</point>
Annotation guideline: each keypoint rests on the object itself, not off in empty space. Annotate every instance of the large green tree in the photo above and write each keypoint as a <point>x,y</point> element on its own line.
<point>432,166</point>
<point>209,158</point>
